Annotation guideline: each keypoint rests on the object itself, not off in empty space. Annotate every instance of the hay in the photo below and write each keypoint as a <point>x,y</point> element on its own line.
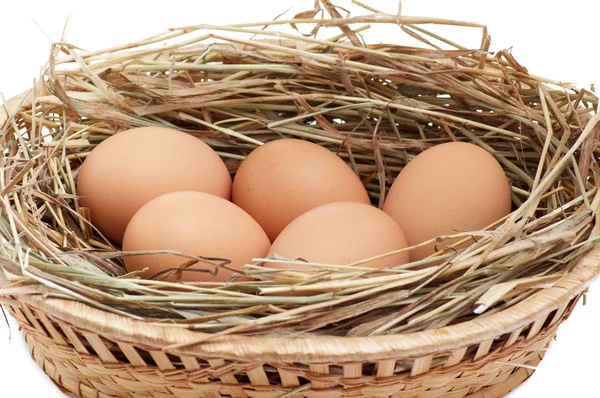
<point>376,106</point>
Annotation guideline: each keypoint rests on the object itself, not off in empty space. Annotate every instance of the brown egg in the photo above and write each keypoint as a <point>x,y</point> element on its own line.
<point>285,178</point>
<point>193,223</point>
<point>340,234</point>
<point>448,188</point>
<point>135,166</point>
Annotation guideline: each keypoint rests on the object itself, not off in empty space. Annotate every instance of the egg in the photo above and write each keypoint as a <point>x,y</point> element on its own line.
<point>132,167</point>
<point>285,178</point>
<point>449,188</point>
<point>341,233</point>
<point>194,223</point>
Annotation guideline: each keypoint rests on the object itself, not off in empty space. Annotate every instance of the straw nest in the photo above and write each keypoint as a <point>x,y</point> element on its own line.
<point>375,105</point>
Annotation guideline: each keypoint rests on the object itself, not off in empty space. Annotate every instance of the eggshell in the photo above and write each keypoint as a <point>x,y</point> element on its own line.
<point>193,223</point>
<point>340,234</point>
<point>285,178</point>
<point>129,169</point>
<point>446,189</point>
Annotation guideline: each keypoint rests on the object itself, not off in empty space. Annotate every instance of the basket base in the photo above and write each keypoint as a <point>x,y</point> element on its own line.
<point>503,387</point>
<point>87,376</point>
<point>519,376</point>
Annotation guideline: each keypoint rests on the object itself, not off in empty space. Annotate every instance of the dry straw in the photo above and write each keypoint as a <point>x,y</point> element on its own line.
<point>375,105</point>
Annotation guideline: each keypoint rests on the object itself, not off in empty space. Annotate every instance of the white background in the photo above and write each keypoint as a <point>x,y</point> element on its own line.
<point>554,39</point>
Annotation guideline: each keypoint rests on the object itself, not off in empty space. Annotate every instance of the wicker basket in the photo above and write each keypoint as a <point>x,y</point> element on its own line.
<point>97,354</point>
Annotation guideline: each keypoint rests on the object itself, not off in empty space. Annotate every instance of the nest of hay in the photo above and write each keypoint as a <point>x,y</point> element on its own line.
<point>374,105</point>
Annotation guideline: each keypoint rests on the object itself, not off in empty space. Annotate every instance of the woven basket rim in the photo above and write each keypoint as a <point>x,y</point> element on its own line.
<point>327,349</point>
